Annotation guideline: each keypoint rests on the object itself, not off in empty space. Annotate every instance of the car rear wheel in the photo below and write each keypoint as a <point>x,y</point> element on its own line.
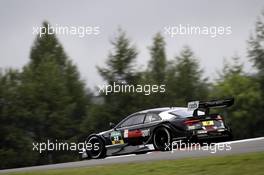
<point>162,139</point>
<point>98,149</point>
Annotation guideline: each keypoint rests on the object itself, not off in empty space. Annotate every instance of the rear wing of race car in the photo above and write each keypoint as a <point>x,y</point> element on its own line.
<point>205,106</point>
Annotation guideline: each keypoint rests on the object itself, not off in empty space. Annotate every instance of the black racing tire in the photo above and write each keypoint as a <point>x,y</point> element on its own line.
<point>162,139</point>
<point>141,152</point>
<point>98,151</point>
<point>229,138</point>
<point>230,135</point>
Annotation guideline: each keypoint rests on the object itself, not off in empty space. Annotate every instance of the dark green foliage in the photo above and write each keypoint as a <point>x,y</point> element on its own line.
<point>50,102</point>
<point>244,117</point>
<point>16,141</point>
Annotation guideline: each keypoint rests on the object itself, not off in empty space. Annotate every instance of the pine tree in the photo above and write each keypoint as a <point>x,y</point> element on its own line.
<point>256,49</point>
<point>47,46</point>
<point>120,65</point>
<point>53,95</point>
<point>120,69</point>
<point>256,55</point>
<point>185,79</point>
<point>158,62</point>
<point>155,74</point>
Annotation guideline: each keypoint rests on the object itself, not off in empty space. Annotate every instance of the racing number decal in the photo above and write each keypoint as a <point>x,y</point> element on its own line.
<point>116,137</point>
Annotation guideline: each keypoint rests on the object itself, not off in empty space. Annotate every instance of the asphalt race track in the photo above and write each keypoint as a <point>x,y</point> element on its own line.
<point>237,147</point>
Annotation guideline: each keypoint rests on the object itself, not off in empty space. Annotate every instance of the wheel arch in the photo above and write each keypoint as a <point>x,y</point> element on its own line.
<point>164,125</point>
<point>96,135</point>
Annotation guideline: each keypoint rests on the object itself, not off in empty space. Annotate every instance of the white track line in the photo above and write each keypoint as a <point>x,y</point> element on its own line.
<point>245,140</point>
<point>236,141</point>
<point>112,157</point>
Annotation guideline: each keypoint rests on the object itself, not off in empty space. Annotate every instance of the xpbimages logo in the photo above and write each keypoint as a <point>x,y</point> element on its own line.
<point>49,145</point>
<point>187,29</point>
<point>146,89</point>
<point>211,147</point>
<point>79,31</point>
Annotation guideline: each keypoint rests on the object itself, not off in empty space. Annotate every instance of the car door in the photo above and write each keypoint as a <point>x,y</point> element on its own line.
<point>150,122</point>
<point>131,129</point>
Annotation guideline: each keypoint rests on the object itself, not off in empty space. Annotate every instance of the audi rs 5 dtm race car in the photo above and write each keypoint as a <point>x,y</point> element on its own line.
<point>156,128</point>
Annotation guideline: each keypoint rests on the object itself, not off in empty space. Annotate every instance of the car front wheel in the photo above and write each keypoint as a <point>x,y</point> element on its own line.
<point>97,149</point>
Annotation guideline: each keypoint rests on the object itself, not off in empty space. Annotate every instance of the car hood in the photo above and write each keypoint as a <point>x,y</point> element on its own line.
<point>106,132</point>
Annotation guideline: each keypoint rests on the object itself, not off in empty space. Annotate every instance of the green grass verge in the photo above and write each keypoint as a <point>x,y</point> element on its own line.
<point>250,163</point>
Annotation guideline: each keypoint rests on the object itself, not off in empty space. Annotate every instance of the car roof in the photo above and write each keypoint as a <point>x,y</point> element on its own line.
<point>159,110</point>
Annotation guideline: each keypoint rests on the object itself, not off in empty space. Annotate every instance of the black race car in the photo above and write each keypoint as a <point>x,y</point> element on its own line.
<point>154,129</point>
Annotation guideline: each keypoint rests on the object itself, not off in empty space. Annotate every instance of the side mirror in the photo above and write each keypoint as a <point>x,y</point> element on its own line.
<point>111,125</point>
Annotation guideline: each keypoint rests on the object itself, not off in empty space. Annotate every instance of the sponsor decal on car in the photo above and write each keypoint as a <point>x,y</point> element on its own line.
<point>116,137</point>
<point>126,133</point>
<point>136,133</point>
<point>193,105</point>
<point>145,132</point>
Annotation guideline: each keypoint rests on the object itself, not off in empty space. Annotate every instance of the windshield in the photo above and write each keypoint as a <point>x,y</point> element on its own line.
<point>184,113</point>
